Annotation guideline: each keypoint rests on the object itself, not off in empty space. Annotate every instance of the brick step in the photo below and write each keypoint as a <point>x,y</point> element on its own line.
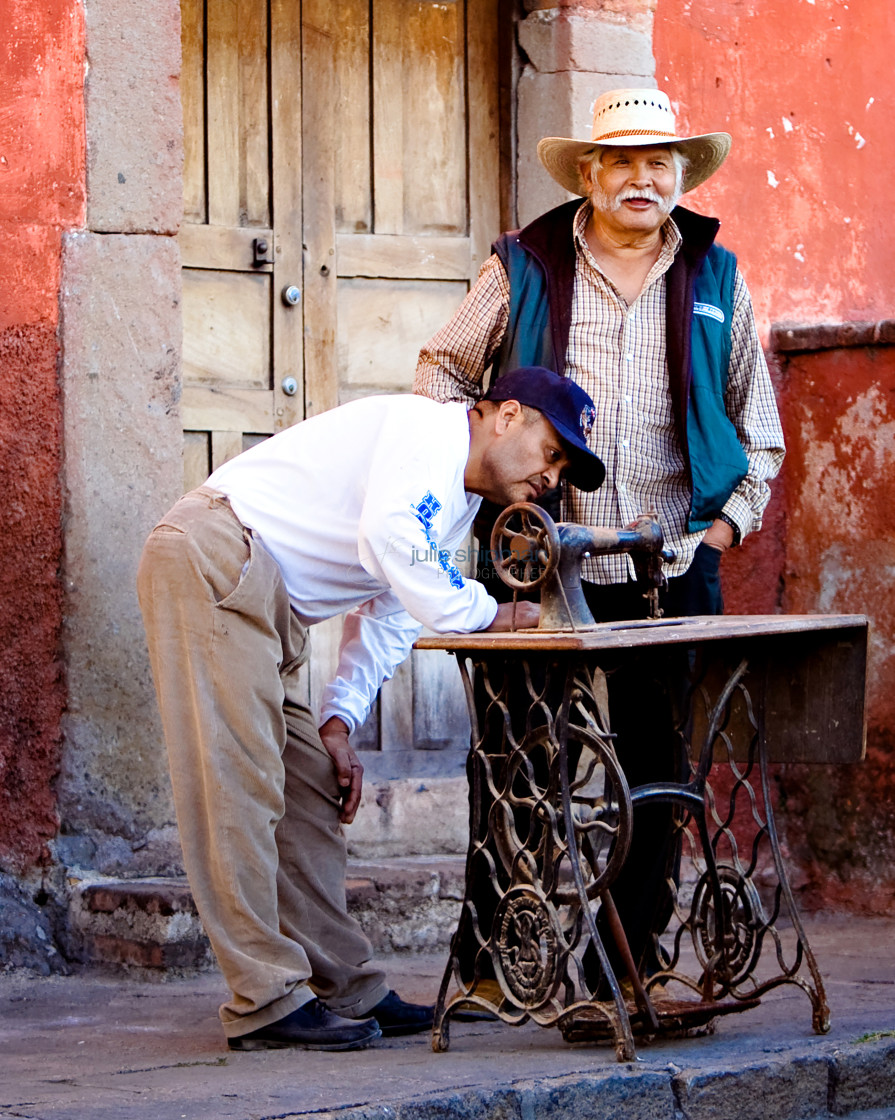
<point>405,904</point>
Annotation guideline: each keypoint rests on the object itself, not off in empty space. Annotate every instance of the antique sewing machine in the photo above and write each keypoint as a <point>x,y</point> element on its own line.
<point>552,821</point>
<point>531,552</point>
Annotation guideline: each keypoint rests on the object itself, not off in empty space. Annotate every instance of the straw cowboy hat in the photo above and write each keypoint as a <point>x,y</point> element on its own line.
<point>633,118</point>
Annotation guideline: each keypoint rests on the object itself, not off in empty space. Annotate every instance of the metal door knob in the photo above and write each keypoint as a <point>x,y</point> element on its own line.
<point>291,295</point>
<point>289,386</point>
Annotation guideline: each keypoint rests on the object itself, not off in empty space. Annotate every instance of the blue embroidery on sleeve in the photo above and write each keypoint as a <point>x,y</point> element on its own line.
<point>425,513</point>
<point>426,510</point>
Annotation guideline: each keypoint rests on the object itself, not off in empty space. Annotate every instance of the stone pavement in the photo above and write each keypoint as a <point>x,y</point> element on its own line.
<point>106,1046</point>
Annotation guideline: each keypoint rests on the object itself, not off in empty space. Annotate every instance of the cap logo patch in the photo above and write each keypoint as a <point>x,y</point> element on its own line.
<point>586,419</point>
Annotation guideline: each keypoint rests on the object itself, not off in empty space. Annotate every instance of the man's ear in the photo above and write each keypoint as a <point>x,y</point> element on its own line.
<point>587,169</point>
<point>507,414</point>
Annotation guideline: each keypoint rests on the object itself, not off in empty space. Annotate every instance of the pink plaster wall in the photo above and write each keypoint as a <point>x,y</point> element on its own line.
<point>805,87</point>
<point>42,193</point>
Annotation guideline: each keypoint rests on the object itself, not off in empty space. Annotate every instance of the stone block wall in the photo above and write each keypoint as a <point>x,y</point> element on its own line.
<point>121,386</point>
<point>134,123</point>
<point>120,377</point>
<point>572,54</point>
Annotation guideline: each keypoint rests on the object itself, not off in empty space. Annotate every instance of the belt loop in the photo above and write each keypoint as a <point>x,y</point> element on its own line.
<point>216,497</point>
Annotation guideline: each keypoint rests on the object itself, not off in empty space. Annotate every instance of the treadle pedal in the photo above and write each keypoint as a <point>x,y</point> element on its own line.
<point>676,1016</point>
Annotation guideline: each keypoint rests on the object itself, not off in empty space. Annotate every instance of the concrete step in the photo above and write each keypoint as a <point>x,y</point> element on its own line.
<point>406,904</point>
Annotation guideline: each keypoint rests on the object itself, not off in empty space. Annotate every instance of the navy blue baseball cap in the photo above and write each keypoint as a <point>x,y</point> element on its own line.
<point>568,408</point>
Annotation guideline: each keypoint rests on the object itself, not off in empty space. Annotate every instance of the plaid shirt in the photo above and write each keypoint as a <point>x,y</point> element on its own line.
<point>616,353</point>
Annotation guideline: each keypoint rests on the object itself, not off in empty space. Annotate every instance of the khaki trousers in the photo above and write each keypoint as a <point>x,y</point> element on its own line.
<point>255,791</point>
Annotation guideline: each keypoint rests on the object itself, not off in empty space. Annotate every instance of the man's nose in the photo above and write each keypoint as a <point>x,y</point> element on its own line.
<point>551,475</point>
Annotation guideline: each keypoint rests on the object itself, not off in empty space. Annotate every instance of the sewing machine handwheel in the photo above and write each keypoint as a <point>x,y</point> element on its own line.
<point>525,546</point>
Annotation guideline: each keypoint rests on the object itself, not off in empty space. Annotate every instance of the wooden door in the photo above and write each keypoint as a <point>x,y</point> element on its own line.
<point>241,234</point>
<point>400,177</point>
<point>358,140</point>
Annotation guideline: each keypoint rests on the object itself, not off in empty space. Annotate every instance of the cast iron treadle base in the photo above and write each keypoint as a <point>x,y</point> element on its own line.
<point>552,821</point>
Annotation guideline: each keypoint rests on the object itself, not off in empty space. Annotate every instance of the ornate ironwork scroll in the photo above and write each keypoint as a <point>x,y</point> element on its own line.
<point>550,829</point>
<point>735,933</point>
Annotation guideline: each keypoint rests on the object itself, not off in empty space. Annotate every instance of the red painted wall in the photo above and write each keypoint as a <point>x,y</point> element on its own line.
<point>805,87</point>
<point>42,193</point>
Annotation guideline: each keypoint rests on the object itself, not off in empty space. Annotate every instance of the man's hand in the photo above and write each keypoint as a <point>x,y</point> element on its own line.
<point>527,615</point>
<point>719,535</point>
<point>348,768</point>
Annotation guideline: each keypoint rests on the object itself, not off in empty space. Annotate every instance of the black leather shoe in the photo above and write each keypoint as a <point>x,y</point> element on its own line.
<point>310,1027</point>
<point>396,1017</point>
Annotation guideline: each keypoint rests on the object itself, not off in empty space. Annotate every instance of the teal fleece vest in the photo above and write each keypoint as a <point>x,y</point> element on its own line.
<point>540,264</point>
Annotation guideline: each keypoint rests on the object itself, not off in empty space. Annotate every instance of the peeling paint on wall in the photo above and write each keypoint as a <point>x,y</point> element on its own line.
<point>852,131</point>
<point>42,192</point>
<point>839,414</point>
<point>817,247</point>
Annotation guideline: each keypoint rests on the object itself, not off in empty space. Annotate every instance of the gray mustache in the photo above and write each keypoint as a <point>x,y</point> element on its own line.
<point>648,194</point>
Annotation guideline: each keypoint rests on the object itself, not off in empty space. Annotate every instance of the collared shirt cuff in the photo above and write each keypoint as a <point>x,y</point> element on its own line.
<point>352,720</point>
<point>739,512</point>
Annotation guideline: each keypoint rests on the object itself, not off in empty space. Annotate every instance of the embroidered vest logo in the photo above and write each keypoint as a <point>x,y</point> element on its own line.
<point>425,513</point>
<point>709,310</point>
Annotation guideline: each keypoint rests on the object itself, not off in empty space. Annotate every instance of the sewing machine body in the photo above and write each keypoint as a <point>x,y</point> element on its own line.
<point>532,551</point>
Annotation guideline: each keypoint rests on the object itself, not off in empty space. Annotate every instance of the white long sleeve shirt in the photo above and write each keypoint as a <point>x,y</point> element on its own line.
<point>364,510</point>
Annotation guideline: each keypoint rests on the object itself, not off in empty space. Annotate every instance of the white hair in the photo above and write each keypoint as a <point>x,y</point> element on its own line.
<point>681,163</point>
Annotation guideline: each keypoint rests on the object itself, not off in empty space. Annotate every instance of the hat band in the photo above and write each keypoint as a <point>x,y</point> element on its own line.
<point>635,132</point>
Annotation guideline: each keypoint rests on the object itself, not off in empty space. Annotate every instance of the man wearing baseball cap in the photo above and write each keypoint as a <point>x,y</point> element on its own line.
<point>358,510</point>
<point>628,294</point>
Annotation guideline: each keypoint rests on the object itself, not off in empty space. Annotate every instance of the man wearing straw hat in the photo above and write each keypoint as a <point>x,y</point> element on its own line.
<point>628,294</point>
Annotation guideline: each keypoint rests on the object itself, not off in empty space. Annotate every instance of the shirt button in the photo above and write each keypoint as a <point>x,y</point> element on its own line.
<point>623,443</point>
<point>627,400</point>
<point>629,357</point>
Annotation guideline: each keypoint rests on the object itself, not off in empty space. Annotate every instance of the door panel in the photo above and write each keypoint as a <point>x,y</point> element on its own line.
<point>357,140</point>
<point>387,317</point>
<point>239,247</point>
<point>238,135</point>
<point>192,96</point>
<point>226,329</point>
<point>419,126</point>
<point>400,179</point>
